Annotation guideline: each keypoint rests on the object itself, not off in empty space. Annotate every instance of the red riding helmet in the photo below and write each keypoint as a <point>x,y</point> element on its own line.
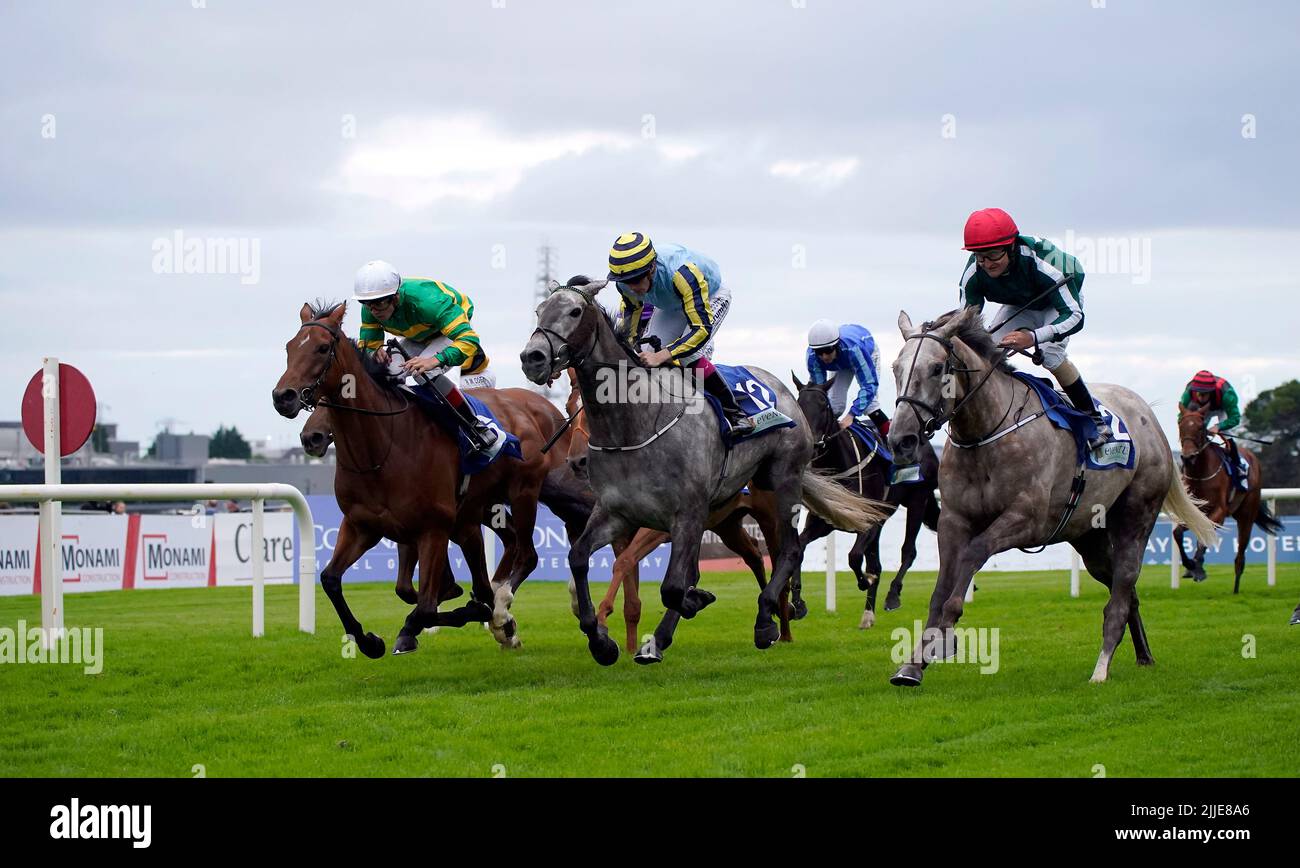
<point>990,227</point>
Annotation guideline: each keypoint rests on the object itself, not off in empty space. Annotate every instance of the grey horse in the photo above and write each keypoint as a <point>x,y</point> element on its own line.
<point>657,461</point>
<point>1007,475</point>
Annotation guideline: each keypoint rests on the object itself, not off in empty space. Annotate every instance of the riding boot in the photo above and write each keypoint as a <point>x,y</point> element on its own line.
<point>1082,401</point>
<point>881,420</point>
<point>740,423</point>
<point>1234,460</point>
<point>481,436</point>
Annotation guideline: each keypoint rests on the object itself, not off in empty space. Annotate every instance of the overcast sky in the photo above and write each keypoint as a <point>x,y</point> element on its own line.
<point>825,153</point>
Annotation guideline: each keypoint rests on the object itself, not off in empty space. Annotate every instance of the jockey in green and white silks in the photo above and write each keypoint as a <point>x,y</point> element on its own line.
<point>690,304</point>
<point>1014,270</point>
<point>845,353</point>
<point>431,321</point>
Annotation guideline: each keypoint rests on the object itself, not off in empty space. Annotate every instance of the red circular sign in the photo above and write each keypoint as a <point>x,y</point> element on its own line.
<point>76,410</point>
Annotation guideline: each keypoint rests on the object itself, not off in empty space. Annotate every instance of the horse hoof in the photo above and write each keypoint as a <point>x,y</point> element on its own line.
<point>371,646</point>
<point>862,583</point>
<point>766,636</point>
<point>604,650</point>
<point>798,610</point>
<point>893,603</point>
<point>868,620</point>
<point>1199,576</point>
<point>1187,574</point>
<point>1295,619</point>
<point>694,601</point>
<point>649,654</point>
<point>405,645</point>
<point>407,595</point>
<point>477,610</point>
<point>908,675</point>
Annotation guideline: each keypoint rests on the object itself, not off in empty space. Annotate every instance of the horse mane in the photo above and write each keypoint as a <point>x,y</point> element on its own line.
<point>620,330</point>
<point>968,326</point>
<point>383,378</point>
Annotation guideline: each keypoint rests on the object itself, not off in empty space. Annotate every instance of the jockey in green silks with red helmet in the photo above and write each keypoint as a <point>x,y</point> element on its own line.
<point>1016,270</point>
<point>1218,400</point>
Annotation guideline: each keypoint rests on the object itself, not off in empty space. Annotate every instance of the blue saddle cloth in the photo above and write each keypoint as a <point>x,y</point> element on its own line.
<point>471,460</point>
<point>1240,475</point>
<point>1118,454</point>
<point>870,438</point>
<point>755,398</point>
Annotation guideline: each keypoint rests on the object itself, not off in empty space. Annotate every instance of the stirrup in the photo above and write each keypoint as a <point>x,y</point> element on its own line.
<point>741,425</point>
<point>1104,436</point>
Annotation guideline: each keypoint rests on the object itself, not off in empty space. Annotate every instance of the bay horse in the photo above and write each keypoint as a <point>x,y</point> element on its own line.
<point>1205,473</point>
<point>405,482</point>
<point>727,522</point>
<point>568,499</point>
<point>837,452</point>
<point>656,465</point>
<point>1008,475</point>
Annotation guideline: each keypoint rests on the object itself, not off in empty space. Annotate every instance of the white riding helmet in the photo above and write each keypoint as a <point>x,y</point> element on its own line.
<point>376,279</point>
<point>823,334</point>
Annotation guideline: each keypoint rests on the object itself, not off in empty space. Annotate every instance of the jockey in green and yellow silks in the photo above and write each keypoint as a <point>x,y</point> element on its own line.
<point>432,323</point>
<point>690,304</point>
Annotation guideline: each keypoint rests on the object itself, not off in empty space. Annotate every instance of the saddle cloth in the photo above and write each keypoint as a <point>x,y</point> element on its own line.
<point>754,397</point>
<point>1118,454</point>
<point>471,460</point>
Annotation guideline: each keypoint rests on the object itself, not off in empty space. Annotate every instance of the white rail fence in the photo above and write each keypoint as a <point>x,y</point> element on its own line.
<point>51,496</point>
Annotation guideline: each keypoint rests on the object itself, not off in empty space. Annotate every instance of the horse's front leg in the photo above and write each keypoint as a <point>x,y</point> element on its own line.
<point>349,546</point>
<point>602,529</point>
<point>405,587</point>
<point>432,547</point>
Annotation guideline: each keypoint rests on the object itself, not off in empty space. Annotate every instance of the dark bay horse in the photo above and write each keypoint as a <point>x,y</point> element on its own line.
<point>838,452</point>
<point>405,478</point>
<point>1206,476</point>
<point>727,522</point>
<point>658,461</point>
<point>1007,476</point>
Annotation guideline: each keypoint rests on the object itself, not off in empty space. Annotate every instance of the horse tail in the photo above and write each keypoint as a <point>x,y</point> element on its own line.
<point>931,517</point>
<point>840,507</point>
<point>1267,522</point>
<point>1187,509</point>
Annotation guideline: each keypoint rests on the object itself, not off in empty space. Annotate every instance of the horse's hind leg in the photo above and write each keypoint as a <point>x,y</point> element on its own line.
<point>523,512</point>
<point>350,545</point>
<point>867,545</point>
<point>1245,517</point>
<point>915,515</point>
<point>1095,550</point>
<point>1188,564</point>
<point>788,555</point>
<point>1128,530</point>
<point>405,587</point>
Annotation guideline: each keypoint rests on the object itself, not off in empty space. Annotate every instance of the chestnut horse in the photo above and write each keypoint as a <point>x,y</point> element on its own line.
<point>568,498</point>
<point>1206,476</point>
<point>405,476</point>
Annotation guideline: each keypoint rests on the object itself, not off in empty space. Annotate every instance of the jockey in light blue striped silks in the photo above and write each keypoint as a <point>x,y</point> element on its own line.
<point>690,304</point>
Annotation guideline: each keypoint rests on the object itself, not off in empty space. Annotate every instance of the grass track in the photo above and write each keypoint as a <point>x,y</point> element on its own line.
<point>184,684</point>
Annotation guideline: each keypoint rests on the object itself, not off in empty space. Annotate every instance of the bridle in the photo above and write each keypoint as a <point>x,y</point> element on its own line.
<point>308,400</point>
<point>560,351</point>
<point>1189,457</point>
<point>307,397</point>
<point>823,442</point>
<point>938,417</point>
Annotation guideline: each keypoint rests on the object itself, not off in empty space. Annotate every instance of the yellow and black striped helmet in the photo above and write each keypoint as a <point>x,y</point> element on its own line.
<point>631,257</point>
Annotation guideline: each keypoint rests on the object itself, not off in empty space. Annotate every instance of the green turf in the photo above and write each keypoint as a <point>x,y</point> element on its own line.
<point>184,684</point>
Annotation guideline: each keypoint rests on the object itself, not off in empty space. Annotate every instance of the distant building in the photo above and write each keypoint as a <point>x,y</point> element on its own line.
<point>181,448</point>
